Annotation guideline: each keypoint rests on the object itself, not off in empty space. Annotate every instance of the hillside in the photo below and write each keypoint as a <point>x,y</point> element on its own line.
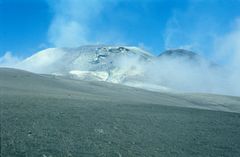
<point>47,115</point>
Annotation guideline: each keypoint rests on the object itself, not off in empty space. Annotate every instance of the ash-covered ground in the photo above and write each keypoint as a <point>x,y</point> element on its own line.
<point>53,116</point>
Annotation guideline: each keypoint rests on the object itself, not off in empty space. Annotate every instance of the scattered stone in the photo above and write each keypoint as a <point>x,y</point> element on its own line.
<point>99,131</point>
<point>29,133</point>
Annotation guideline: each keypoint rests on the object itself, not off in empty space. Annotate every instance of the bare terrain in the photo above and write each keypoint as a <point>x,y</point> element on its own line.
<point>50,116</point>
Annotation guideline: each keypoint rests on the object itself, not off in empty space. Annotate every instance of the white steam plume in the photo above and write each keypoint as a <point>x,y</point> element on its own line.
<point>69,27</point>
<point>8,60</point>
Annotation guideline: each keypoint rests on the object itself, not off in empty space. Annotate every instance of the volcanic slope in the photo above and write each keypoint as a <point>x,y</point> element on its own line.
<point>46,115</point>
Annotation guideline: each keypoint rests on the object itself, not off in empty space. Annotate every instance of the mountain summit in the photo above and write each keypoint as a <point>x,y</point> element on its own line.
<point>116,64</point>
<point>93,58</point>
<point>180,53</point>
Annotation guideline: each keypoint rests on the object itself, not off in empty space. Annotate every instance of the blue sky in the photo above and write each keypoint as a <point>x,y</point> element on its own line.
<point>27,26</point>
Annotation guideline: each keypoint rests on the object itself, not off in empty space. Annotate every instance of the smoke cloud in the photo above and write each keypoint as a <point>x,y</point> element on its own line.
<point>222,78</point>
<point>9,60</point>
<point>228,53</point>
<point>70,26</point>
